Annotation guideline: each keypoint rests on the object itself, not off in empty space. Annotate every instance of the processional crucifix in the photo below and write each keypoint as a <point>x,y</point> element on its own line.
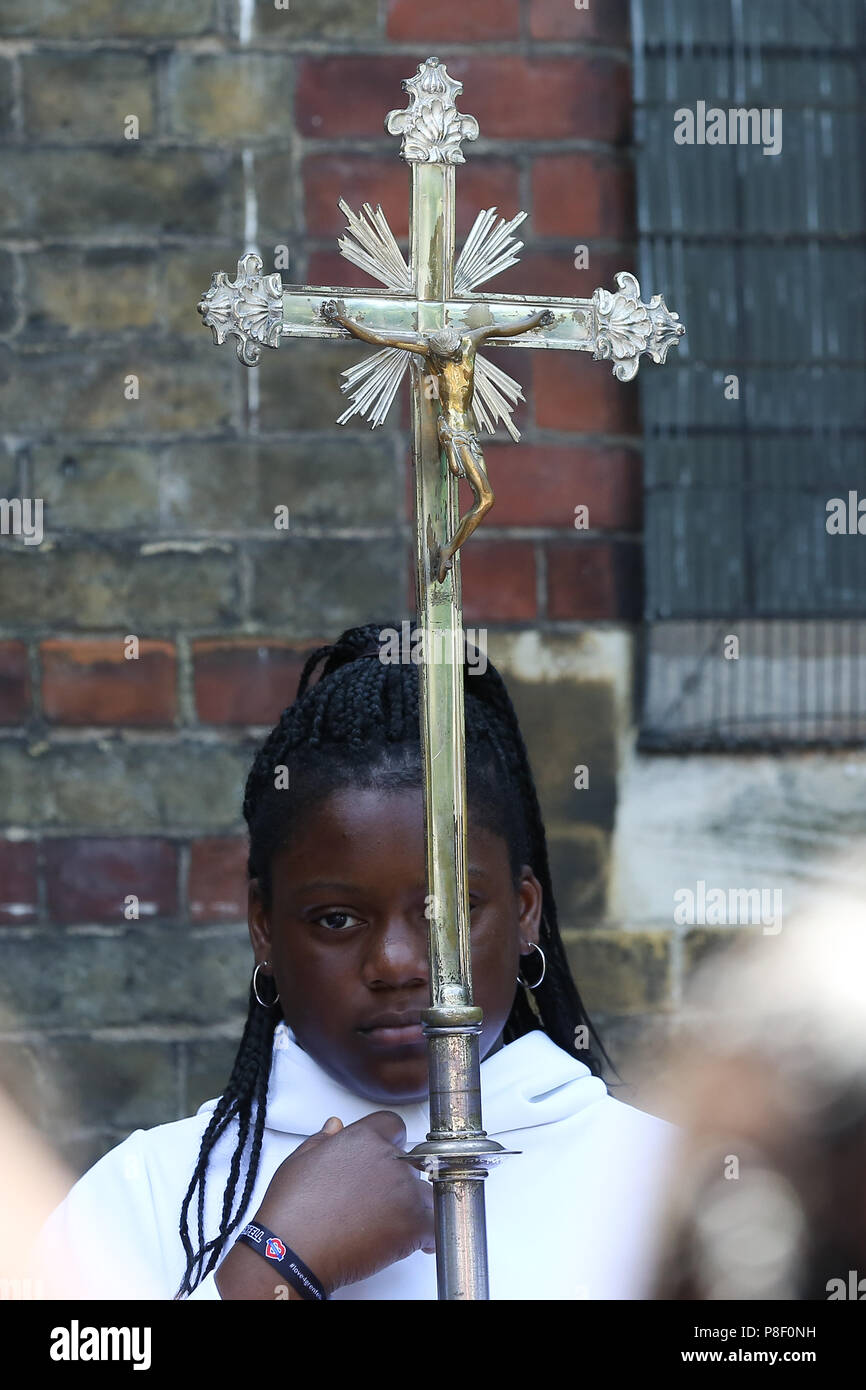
<point>429,318</point>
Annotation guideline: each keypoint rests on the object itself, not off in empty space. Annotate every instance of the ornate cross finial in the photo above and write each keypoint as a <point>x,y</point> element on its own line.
<point>626,327</point>
<point>250,307</point>
<point>432,128</point>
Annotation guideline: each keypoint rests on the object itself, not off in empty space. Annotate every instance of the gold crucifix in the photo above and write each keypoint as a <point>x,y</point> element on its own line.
<point>431,301</point>
<point>430,315</point>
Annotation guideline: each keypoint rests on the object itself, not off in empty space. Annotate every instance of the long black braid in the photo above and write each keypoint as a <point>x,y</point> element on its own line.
<point>358,725</point>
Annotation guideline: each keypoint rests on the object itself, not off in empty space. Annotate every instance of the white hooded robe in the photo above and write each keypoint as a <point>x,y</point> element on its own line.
<point>573,1216</point>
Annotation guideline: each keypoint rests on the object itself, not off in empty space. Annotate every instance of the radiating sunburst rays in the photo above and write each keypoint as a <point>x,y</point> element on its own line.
<point>371,245</point>
<point>489,249</point>
<point>495,396</point>
<point>373,384</point>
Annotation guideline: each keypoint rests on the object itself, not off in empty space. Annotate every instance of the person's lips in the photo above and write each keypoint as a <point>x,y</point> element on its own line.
<point>395,1029</point>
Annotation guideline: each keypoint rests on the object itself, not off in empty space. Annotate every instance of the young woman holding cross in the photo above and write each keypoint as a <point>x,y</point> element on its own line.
<point>287,1185</point>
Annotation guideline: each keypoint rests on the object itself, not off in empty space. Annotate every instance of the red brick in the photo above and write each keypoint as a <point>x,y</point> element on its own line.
<point>454,21</point>
<point>359,179</point>
<point>593,580</point>
<point>218,880</point>
<point>498,580</point>
<point>14,683</point>
<point>540,485</point>
<point>18,894</point>
<point>515,98</point>
<point>554,272</point>
<point>349,95</point>
<point>582,195</point>
<point>605,21</point>
<point>537,272</point>
<point>511,97</point>
<point>602,270</point>
<point>330,270</point>
<point>92,682</point>
<point>483,183</point>
<point>88,880</point>
<point>246,681</point>
<point>572,392</point>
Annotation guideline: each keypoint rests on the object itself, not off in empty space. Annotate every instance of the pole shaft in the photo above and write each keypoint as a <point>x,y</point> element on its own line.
<point>461,1267</point>
<point>452,1025</point>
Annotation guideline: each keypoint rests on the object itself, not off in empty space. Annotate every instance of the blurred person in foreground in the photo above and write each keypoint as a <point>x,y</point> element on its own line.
<point>32,1182</point>
<point>768,1198</point>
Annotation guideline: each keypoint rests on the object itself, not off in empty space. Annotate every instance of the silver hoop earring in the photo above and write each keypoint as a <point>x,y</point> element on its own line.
<point>541,976</point>
<point>263,1003</point>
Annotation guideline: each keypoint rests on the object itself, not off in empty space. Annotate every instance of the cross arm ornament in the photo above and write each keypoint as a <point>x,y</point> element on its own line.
<point>259,311</point>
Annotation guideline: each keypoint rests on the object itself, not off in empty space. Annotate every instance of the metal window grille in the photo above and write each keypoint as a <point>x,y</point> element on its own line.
<point>759,420</point>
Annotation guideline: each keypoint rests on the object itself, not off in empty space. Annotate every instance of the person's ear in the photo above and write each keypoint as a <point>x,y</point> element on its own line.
<point>531,898</point>
<point>257,922</point>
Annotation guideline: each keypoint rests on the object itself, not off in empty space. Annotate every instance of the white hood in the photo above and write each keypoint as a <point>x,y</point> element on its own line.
<point>527,1083</point>
<point>593,1169</point>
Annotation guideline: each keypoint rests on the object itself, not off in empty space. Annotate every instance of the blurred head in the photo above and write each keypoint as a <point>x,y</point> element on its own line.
<point>769,1201</point>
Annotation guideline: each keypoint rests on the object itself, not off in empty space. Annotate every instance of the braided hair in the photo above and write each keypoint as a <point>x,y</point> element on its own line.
<point>359,725</point>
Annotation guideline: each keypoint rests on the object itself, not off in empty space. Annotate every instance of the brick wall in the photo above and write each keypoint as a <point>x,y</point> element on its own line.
<point>123,777</point>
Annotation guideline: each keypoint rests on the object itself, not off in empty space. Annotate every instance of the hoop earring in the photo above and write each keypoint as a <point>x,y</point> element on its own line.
<point>256,992</point>
<point>543,969</point>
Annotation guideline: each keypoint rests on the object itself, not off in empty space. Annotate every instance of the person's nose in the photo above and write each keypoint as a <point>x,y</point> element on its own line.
<point>397,953</point>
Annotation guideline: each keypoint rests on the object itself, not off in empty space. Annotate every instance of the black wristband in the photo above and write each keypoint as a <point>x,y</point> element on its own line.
<point>277,1253</point>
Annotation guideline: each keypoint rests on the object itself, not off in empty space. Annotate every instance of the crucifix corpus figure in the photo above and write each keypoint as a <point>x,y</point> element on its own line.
<point>450,358</point>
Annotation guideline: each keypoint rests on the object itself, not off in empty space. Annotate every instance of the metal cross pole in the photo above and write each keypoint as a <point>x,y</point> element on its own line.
<point>429,316</point>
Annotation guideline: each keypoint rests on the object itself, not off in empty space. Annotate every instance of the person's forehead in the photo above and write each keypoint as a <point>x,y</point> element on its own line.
<point>362,821</point>
<point>368,806</point>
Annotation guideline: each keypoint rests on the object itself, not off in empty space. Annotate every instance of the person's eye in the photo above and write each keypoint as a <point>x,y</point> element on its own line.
<point>346,919</point>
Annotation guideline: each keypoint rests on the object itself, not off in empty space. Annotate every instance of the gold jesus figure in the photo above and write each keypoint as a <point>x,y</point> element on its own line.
<point>450,358</point>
